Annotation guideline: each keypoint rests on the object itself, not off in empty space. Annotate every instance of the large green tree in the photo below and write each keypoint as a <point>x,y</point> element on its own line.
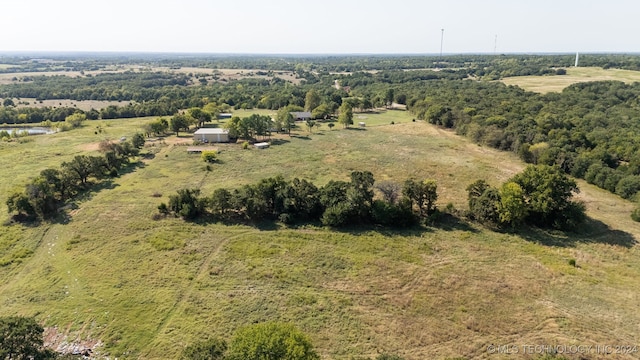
<point>220,202</point>
<point>512,208</point>
<point>187,204</point>
<point>284,119</point>
<point>346,115</point>
<point>18,201</point>
<point>158,127</point>
<point>312,100</point>
<point>214,110</point>
<point>85,166</point>
<point>321,112</point>
<point>483,202</point>
<point>200,115</point>
<point>360,194</point>
<point>423,194</point>
<point>547,192</point>
<point>42,196</point>
<point>179,123</point>
<point>301,199</point>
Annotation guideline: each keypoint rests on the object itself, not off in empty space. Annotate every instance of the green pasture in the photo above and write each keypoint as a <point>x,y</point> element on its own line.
<point>148,288</point>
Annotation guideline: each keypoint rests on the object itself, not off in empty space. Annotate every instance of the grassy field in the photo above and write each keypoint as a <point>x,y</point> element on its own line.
<point>545,84</point>
<point>146,288</point>
<point>222,74</point>
<point>84,105</point>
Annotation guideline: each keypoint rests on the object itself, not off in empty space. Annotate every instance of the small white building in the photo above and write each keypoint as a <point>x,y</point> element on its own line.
<point>262,145</point>
<point>211,135</point>
<point>362,124</point>
<point>301,115</point>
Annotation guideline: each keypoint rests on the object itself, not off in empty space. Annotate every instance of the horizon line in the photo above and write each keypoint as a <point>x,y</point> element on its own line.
<point>301,54</point>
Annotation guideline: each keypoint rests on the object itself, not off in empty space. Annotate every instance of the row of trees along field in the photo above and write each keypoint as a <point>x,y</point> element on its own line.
<point>336,204</point>
<point>540,196</point>
<point>43,196</point>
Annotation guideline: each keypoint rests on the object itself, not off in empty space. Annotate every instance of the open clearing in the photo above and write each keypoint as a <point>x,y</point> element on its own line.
<point>221,74</point>
<point>84,105</point>
<point>147,288</point>
<point>545,84</point>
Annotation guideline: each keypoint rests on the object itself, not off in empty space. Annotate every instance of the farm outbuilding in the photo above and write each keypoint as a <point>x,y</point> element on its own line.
<point>211,135</point>
<point>301,115</point>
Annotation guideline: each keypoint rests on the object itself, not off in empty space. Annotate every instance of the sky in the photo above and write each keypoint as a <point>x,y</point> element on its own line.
<point>321,27</point>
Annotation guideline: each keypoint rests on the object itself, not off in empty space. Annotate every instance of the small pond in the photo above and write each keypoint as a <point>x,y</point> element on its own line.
<point>37,130</point>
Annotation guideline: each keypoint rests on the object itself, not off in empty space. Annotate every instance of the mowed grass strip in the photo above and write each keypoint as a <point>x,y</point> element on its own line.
<point>556,83</point>
<point>147,288</point>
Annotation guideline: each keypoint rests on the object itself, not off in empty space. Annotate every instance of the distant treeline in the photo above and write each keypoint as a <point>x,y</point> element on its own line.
<point>314,63</point>
<point>138,86</point>
<point>11,115</point>
<point>32,115</point>
<point>176,87</point>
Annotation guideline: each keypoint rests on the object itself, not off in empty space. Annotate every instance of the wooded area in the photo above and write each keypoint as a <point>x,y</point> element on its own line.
<point>589,130</point>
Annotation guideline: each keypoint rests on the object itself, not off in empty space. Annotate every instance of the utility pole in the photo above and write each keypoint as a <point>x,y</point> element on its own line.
<point>441,42</point>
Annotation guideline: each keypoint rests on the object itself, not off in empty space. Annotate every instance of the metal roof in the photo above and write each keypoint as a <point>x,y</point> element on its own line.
<point>301,114</point>
<point>211,131</point>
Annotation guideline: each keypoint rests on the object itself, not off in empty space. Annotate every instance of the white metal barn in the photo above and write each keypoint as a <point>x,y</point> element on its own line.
<point>211,135</point>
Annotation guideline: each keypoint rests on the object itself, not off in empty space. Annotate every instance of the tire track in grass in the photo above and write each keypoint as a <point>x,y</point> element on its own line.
<point>186,294</point>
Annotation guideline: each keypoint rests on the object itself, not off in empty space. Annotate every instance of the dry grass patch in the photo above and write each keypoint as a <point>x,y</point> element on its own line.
<point>545,84</point>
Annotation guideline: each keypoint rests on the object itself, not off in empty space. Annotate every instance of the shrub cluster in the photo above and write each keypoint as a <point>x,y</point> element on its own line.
<point>41,198</point>
<point>266,341</point>
<point>209,156</point>
<point>336,204</point>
